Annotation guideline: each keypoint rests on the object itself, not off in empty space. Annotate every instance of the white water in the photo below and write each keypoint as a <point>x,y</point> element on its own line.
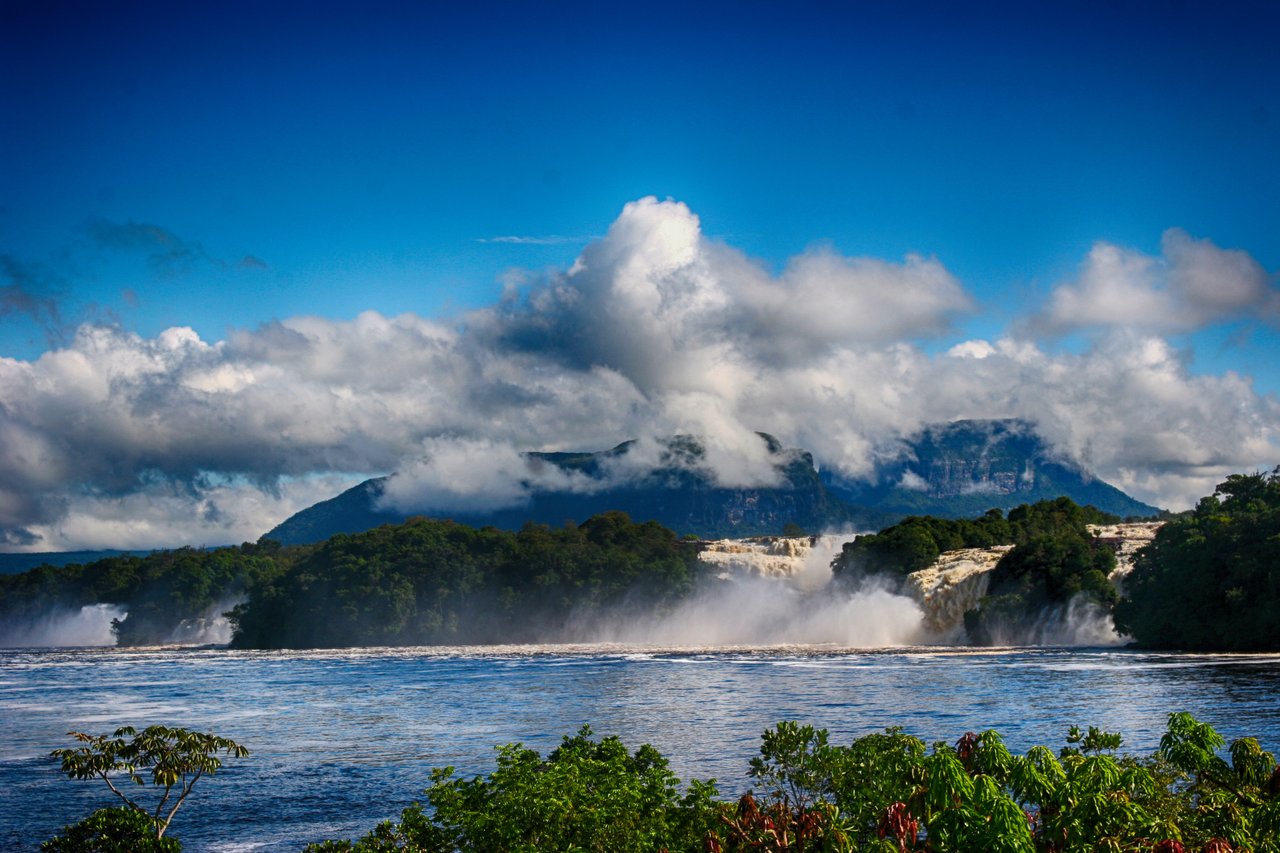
<point>209,628</point>
<point>88,626</point>
<point>767,591</point>
<point>340,739</point>
<point>775,590</point>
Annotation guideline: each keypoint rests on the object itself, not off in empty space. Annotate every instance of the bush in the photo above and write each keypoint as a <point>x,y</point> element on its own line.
<point>884,792</point>
<point>113,830</point>
<point>586,795</point>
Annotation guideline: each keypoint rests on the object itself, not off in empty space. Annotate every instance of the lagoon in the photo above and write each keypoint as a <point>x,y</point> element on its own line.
<point>341,739</point>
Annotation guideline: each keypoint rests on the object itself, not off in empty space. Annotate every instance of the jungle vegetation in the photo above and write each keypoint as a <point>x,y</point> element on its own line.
<point>431,582</point>
<point>173,760</point>
<point>887,792</point>
<point>1210,581</point>
<point>1054,560</point>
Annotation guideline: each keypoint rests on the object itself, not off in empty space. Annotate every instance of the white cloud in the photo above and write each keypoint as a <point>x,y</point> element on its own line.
<point>474,475</point>
<point>1194,284</point>
<point>656,330</point>
<point>208,512</point>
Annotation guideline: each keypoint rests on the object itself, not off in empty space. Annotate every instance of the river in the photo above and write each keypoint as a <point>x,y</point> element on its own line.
<point>342,739</point>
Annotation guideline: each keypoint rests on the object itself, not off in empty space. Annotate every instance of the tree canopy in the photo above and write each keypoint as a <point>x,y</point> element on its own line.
<point>1211,578</point>
<point>886,792</point>
<point>428,581</point>
<point>916,542</point>
<point>172,759</point>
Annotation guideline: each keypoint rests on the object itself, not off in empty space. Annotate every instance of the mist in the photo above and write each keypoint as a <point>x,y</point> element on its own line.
<point>65,627</point>
<point>771,592</point>
<point>779,591</point>
<point>1080,622</point>
<point>210,628</point>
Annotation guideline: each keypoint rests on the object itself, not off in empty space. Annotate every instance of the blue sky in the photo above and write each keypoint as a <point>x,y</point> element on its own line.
<point>228,166</point>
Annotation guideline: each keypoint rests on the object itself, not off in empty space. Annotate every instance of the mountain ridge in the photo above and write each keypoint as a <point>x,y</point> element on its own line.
<point>958,469</point>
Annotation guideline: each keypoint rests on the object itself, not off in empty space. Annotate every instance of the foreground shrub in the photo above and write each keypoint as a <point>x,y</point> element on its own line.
<point>884,792</point>
<point>172,759</point>
<point>114,830</point>
<point>586,795</point>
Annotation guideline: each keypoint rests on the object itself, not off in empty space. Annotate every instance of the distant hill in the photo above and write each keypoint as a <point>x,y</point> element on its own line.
<point>12,564</point>
<point>954,470</point>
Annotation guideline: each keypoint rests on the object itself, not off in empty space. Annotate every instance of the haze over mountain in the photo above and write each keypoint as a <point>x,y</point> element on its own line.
<point>954,470</point>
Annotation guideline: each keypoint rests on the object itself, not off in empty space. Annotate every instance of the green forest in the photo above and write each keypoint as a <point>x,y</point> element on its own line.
<point>433,582</point>
<point>1209,581</point>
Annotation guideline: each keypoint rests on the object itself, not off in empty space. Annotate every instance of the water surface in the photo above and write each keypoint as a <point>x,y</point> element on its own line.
<point>342,739</point>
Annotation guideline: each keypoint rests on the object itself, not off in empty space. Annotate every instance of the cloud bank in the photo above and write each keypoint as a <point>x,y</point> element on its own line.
<point>115,440</point>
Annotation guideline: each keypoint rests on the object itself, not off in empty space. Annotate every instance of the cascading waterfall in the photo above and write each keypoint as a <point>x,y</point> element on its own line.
<point>776,590</point>
<point>955,583</point>
<point>87,626</point>
<point>209,628</point>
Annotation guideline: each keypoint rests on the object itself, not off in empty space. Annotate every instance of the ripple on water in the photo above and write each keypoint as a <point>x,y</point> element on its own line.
<point>340,739</point>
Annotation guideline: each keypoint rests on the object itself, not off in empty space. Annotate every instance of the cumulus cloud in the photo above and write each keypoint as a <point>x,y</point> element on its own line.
<point>117,440</point>
<point>1193,284</point>
<point>206,511</point>
<point>475,475</point>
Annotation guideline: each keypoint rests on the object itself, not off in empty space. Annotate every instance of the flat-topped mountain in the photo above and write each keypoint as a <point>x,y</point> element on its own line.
<point>954,470</point>
<point>963,468</point>
<point>679,492</point>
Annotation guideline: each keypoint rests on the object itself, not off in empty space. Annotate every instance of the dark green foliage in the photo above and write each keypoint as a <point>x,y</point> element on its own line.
<point>1047,571</point>
<point>587,795</point>
<point>884,792</point>
<point>172,759</point>
<point>431,581</point>
<point>1211,578</point>
<point>916,542</point>
<point>114,830</point>
<point>184,584</point>
<point>15,564</point>
<point>1054,559</point>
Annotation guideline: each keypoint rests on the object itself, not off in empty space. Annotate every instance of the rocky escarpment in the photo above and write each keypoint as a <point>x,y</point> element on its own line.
<point>806,559</point>
<point>958,580</point>
<point>679,492</point>
<point>1126,539</point>
<point>957,470</point>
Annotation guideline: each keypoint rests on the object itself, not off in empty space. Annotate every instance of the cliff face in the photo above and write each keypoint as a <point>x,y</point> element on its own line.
<point>955,470</point>
<point>804,560</point>
<point>964,468</point>
<point>955,583</point>
<point>958,580</point>
<point>678,493</point>
<point>1125,539</point>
